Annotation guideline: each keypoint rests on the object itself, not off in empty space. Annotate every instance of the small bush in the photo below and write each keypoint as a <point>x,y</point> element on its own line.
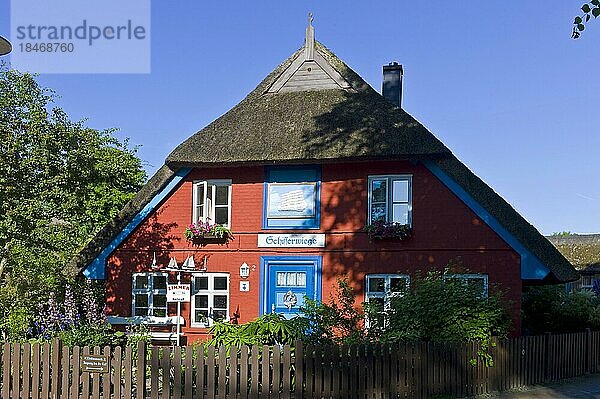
<point>553,309</point>
<point>268,329</point>
<point>337,321</point>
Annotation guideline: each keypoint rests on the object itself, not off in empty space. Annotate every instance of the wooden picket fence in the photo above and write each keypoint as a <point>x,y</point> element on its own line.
<point>416,370</point>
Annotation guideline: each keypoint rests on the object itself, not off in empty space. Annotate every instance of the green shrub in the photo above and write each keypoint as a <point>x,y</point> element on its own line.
<point>440,310</point>
<point>553,309</point>
<point>335,322</point>
<point>268,329</point>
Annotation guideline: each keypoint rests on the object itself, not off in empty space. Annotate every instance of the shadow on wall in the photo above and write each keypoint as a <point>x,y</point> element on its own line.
<point>152,237</point>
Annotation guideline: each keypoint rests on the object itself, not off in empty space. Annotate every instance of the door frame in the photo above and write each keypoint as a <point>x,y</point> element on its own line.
<point>291,260</point>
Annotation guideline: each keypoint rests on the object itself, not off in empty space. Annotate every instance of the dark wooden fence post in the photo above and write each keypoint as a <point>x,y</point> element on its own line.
<point>549,357</point>
<point>140,362</point>
<point>588,351</point>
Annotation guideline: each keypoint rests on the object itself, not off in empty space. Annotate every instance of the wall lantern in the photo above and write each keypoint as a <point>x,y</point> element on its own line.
<point>244,270</point>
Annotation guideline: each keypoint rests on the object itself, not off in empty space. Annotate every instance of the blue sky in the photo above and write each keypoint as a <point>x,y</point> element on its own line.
<point>504,87</point>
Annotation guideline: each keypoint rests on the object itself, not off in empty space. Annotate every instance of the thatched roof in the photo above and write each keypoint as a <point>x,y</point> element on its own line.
<point>583,251</point>
<point>309,126</point>
<point>319,126</point>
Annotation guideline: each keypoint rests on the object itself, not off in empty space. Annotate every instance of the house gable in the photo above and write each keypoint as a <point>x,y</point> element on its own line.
<point>309,70</point>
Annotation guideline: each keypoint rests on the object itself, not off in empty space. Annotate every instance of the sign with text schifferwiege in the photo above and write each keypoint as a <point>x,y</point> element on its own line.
<point>292,240</point>
<point>94,363</point>
<point>178,293</point>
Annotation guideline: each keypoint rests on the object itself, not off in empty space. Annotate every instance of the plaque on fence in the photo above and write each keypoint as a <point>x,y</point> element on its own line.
<point>94,363</point>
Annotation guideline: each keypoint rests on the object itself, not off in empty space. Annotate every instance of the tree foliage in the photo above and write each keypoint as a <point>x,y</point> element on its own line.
<point>589,9</point>
<point>60,182</point>
<point>553,309</point>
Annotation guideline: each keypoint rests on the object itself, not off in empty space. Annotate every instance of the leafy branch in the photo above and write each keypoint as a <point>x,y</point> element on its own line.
<point>589,9</point>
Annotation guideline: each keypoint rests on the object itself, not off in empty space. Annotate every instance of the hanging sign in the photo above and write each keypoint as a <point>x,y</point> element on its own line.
<point>178,293</point>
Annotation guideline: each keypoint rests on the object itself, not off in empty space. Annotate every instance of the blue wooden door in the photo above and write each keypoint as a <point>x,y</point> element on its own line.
<point>288,280</point>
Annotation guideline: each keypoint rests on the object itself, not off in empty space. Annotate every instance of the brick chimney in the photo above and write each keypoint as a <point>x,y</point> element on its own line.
<point>392,83</point>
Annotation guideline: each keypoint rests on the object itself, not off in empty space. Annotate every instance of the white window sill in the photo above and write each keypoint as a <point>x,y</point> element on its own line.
<point>154,320</point>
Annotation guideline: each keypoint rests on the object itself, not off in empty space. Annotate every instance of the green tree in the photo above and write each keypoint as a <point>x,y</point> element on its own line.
<point>590,9</point>
<point>60,182</point>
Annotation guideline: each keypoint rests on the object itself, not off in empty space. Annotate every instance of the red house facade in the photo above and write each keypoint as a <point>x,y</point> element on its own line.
<point>296,171</point>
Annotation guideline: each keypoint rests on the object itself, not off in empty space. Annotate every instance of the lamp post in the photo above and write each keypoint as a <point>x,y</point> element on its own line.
<point>5,46</point>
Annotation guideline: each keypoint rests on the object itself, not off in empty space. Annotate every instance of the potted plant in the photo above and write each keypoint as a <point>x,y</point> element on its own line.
<point>203,232</point>
<point>382,230</point>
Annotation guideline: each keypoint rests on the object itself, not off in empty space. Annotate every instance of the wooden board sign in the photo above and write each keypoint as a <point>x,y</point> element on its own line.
<point>95,363</point>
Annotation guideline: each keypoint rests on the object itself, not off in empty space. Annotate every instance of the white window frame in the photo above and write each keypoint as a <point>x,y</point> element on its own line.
<point>468,276</point>
<point>150,291</point>
<point>210,292</point>
<point>591,277</point>
<point>387,294</point>
<point>390,193</point>
<point>213,185</point>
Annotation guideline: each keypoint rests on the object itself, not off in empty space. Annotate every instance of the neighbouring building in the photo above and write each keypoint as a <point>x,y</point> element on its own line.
<point>297,170</point>
<point>583,251</point>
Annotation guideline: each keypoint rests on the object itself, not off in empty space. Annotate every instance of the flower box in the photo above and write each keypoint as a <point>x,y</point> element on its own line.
<point>388,231</point>
<point>203,233</point>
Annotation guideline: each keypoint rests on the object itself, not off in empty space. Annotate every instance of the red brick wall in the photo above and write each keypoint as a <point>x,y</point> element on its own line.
<point>445,230</point>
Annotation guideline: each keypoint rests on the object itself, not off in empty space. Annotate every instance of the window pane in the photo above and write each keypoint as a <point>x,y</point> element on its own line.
<point>160,312</point>
<point>141,300</point>
<point>219,315</point>
<point>398,284</point>
<point>200,212</point>
<point>378,212</point>
<point>200,316</point>
<point>160,282</point>
<point>220,301</point>
<point>477,284</point>
<point>376,304</point>
<point>301,279</point>
<point>281,279</point>
<point>400,213</point>
<point>200,194</point>
<point>141,311</point>
<point>291,279</point>
<point>141,282</point>
<point>160,301</point>
<point>379,191</point>
<point>201,283</point>
<point>221,215</point>
<point>400,192</point>
<point>222,197</point>
<point>201,301</point>
<point>220,283</point>
<point>208,205</point>
<point>376,284</point>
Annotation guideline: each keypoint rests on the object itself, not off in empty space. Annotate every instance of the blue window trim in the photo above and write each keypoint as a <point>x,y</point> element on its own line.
<point>291,260</point>
<point>293,224</point>
<point>96,270</point>
<point>531,266</point>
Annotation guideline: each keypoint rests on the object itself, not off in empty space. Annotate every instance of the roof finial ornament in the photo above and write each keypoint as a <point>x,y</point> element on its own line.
<point>309,42</point>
